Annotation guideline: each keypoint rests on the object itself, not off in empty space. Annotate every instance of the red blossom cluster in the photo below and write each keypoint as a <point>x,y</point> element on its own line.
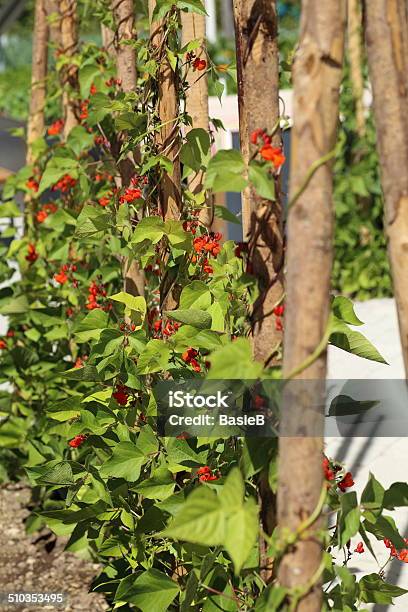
<point>56,128</point>
<point>190,226</point>
<point>105,201</point>
<point>101,141</point>
<point>32,184</point>
<point>32,255</point>
<point>206,245</point>
<point>66,183</point>
<point>112,82</point>
<point>199,64</point>
<point>401,555</point>
<point>3,345</point>
<point>77,441</point>
<point>127,327</point>
<point>279,311</point>
<point>46,209</point>
<point>167,330</point>
<point>267,151</point>
<point>62,276</point>
<point>205,474</point>
<point>359,548</point>
<point>121,395</point>
<point>190,358</point>
<point>241,247</point>
<point>133,192</point>
<point>95,291</point>
<point>330,472</point>
<point>80,361</point>
<point>84,112</point>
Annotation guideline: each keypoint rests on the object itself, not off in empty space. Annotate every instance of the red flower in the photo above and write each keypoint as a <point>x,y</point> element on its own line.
<point>61,277</point>
<point>328,472</point>
<point>10,333</point>
<point>199,64</point>
<point>257,134</point>
<point>56,128</point>
<point>259,402</point>
<point>402,555</point>
<point>183,436</point>
<point>104,201</point>
<point>66,183</point>
<point>279,310</point>
<point>346,482</point>
<point>93,89</point>
<point>32,184</point>
<point>273,154</point>
<point>3,345</point>
<point>77,441</point>
<point>189,355</point>
<point>130,195</point>
<point>121,395</point>
<point>79,363</point>
<point>359,548</point>
<point>278,324</point>
<point>32,253</point>
<point>205,474</point>
<point>41,216</point>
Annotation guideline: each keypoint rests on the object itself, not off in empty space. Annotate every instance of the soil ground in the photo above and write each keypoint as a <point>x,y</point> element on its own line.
<point>30,564</point>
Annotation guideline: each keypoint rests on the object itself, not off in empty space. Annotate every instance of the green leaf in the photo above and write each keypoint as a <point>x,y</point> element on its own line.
<point>373,495</point>
<point>80,139</point>
<point>262,180</point>
<point>396,496</point>
<point>159,486</point>
<point>151,590</point>
<point>222,212</point>
<point>193,6</point>
<point>60,474</point>
<point>154,358</point>
<point>343,309</point>
<point>194,152</point>
<point>219,520</point>
<point>134,304</point>
<point>195,295</point>
<point>353,342</point>
<point>149,228</point>
<point>131,121</point>
<point>91,221</point>
<point>179,452</point>
<point>91,326</point>
<point>349,517</point>
<point>177,236</point>
<point>16,305</point>
<point>225,172</point>
<point>194,317</point>
<point>126,462</point>
<point>374,589</point>
<point>234,361</point>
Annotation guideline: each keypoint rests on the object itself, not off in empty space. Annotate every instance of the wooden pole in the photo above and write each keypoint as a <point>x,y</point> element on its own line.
<point>317,76</point>
<point>69,73</point>
<point>194,28</point>
<point>355,59</point>
<point>168,138</point>
<point>123,12</point>
<point>386,34</point>
<point>36,122</point>
<point>258,63</point>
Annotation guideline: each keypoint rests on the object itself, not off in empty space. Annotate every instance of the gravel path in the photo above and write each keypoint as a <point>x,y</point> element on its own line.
<point>27,566</point>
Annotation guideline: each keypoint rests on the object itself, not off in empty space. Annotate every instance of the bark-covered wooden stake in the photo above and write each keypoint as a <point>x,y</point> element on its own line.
<point>35,126</point>
<point>317,76</point>
<point>386,33</point>
<point>168,139</point>
<point>256,29</point>
<point>123,13</point>
<point>258,66</point>
<point>69,73</point>
<point>194,28</point>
